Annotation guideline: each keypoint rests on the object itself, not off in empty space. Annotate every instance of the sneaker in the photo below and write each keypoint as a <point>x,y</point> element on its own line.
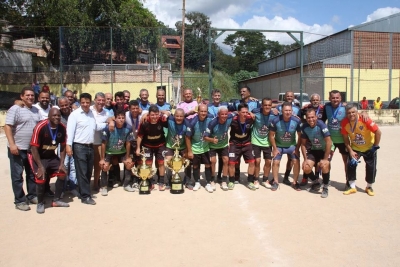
<point>237,181</point>
<point>231,185</point>
<point>324,193</point>
<point>251,186</point>
<point>213,186</point>
<point>296,187</point>
<point>189,186</point>
<point>370,191</point>
<point>33,200</point>
<point>116,185</point>
<point>267,184</point>
<point>135,187</point>
<point>304,182</point>
<point>103,191</point>
<point>197,186</point>
<point>286,181</point>
<point>350,191</point>
<point>40,208</point>
<point>153,187</point>
<point>88,201</point>
<point>224,187</point>
<point>161,187</point>
<point>59,203</point>
<point>256,184</point>
<point>274,186</point>
<point>75,193</point>
<point>128,188</point>
<point>209,188</point>
<point>22,206</point>
<point>315,186</point>
<point>49,193</point>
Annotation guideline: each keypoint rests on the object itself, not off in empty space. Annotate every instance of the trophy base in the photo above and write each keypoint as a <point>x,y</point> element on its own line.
<point>177,188</point>
<point>144,188</point>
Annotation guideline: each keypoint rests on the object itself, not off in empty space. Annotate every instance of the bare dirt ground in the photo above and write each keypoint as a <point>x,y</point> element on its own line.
<point>235,228</point>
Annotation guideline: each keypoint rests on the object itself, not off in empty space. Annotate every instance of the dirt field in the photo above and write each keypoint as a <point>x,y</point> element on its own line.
<point>235,228</point>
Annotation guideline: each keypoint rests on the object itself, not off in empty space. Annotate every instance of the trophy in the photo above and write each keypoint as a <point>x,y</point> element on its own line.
<point>144,172</point>
<point>175,165</point>
<point>198,99</point>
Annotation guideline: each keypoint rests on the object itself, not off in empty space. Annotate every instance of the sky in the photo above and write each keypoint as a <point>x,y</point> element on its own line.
<point>316,18</point>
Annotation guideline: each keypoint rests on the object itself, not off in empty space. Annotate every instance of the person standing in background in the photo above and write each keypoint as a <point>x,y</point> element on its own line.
<point>378,103</point>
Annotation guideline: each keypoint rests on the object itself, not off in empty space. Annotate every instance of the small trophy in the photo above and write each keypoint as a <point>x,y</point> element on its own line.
<point>144,172</point>
<point>175,165</point>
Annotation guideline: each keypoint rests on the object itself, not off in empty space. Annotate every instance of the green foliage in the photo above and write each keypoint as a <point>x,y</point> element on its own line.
<point>225,63</point>
<point>242,75</point>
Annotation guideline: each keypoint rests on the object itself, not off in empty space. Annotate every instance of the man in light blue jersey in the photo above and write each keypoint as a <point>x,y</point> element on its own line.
<point>316,147</point>
<point>282,136</point>
<point>161,104</point>
<point>217,135</point>
<point>260,142</point>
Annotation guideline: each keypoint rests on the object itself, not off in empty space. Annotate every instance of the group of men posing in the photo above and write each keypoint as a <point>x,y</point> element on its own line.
<point>97,138</point>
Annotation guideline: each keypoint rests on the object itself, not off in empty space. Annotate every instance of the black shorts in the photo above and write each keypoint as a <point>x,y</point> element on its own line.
<point>109,157</point>
<point>341,147</point>
<point>158,153</point>
<point>170,152</point>
<point>50,165</point>
<point>201,159</point>
<point>236,151</point>
<point>222,152</point>
<point>316,155</point>
<point>266,150</point>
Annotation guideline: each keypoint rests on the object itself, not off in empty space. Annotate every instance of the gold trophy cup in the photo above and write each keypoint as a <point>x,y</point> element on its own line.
<point>198,99</point>
<point>144,172</point>
<point>176,164</point>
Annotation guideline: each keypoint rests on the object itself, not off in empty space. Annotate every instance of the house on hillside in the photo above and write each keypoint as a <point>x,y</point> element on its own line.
<point>172,44</point>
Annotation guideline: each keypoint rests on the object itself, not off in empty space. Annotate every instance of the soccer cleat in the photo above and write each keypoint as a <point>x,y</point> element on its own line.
<point>315,186</point>
<point>40,208</point>
<point>370,191</point>
<point>350,191</point>
<point>324,193</point>
<point>59,203</point>
<point>197,186</point>
<point>103,191</point>
<point>22,206</point>
<point>296,186</point>
<point>251,186</point>
<point>231,185</point>
<point>304,182</point>
<point>286,181</point>
<point>274,186</point>
<point>33,200</point>
<point>209,188</point>
<point>256,184</point>
<point>128,188</point>
<point>224,187</point>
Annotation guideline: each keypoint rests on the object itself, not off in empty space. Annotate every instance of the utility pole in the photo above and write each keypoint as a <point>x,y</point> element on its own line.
<point>183,46</point>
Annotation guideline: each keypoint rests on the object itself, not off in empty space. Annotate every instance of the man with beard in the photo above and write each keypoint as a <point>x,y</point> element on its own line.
<point>161,104</point>
<point>188,105</point>
<point>43,105</point>
<point>316,147</point>
<point>217,136</point>
<point>198,148</point>
<point>282,136</point>
<point>362,140</point>
<point>46,137</point>
<point>260,142</point>
<point>19,124</point>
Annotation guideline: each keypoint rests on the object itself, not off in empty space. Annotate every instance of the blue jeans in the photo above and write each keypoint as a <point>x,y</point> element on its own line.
<point>69,164</point>
<point>17,165</point>
<point>83,157</point>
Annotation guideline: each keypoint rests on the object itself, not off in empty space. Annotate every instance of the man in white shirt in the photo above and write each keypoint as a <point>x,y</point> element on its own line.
<point>43,105</point>
<point>100,115</point>
<point>80,137</point>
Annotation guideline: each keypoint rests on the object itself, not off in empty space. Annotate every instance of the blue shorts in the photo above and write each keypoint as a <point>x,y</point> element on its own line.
<point>286,150</point>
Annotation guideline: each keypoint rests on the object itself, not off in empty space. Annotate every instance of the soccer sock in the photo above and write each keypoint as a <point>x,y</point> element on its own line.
<point>306,176</point>
<point>59,189</point>
<point>369,185</point>
<point>312,176</point>
<point>250,178</point>
<point>40,188</point>
<point>287,173</point>
<point>224,178</point>
<point>207,173</point>
<point>237,172</point>
<point>352,184</point>
<point>231,179</point>
<point>212,178</point>
<point>127,177</point>
<point>265,178</point>
<point>103,179</point>
<point>325,178</point>
<point>196,174</point>
<point>161,180</point>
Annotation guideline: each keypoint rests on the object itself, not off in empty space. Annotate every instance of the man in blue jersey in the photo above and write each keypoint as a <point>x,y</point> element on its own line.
<point>260,142</point>
<point>316,147</point>
<point>198,148</point>
<point>161,104</point>
<point>282,136</point>
<point>217,135</point>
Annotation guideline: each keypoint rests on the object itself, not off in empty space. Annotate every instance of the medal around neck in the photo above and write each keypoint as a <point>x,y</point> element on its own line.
<point>144,172</point>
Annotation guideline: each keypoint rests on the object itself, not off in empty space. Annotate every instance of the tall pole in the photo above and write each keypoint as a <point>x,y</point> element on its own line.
<point>111,60</point>
<point>359,68</point>
<point>183,46</point>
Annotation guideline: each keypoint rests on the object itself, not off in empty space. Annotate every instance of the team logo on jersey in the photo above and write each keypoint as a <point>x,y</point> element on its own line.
<point>158,127</point>
<point>316,141</point>
<point>359,140</point>
<point>361,127</point>
<point>325,130</point>
<point>164,153</point>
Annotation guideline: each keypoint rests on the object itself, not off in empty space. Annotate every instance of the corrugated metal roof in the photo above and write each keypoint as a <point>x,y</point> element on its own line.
<point>386,24</point>
<point>343,59</point>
